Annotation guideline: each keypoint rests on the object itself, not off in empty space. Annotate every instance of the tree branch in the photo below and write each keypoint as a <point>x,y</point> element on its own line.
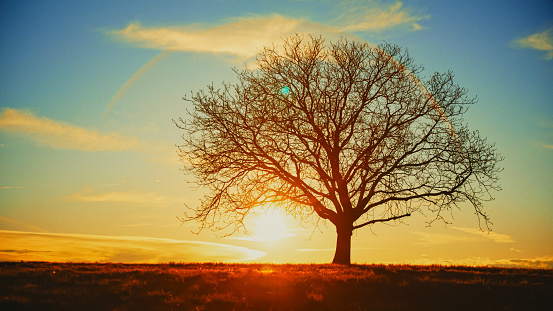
<point>380,220</point>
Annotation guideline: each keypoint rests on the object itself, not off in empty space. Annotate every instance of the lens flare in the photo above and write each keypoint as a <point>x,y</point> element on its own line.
<point>132,80</point>
<point>285,91</point>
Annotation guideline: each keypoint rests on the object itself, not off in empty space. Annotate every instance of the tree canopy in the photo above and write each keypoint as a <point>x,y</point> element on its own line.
<point>346,131</point>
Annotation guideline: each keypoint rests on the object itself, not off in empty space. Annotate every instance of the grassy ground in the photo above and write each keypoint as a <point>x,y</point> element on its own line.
<point>81,286</point>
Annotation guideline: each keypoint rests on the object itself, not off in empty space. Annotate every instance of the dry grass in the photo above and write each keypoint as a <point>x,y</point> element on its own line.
<point>80,286</point>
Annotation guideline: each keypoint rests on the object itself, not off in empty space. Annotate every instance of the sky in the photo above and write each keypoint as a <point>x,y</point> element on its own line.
<point>88,160</point>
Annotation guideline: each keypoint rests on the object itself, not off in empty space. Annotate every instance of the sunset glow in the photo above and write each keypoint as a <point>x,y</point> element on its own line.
<point>271,227</point>
<point>89,169</point>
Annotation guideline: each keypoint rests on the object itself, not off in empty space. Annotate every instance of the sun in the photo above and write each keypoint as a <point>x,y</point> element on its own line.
<point>270,227</point>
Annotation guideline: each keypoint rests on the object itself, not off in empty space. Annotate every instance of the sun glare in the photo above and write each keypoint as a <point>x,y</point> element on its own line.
<point>270,227</point>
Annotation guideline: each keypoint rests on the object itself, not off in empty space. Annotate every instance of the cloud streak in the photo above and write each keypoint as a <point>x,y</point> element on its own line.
<point>374,16</point>
<point>542,41</point>
<point>31,246</point>
<point>244,37</point>
<point>61,135</point>
<point>496,237</point>
<point>14,187</point>
<point>428,238</point>
<point>12,224</point>
<point>128,197</point>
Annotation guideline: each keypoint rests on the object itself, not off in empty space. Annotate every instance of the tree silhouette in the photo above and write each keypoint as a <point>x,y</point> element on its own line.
<point>345,131</point>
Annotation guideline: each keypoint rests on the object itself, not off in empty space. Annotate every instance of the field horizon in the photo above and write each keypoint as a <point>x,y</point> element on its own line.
<point>267,286</point>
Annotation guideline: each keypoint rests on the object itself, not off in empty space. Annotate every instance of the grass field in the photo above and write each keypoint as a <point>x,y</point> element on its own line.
<point>112,286</point>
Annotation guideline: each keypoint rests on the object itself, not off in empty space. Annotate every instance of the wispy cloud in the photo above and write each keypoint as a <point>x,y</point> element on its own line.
<point>13,224</point>
<point>61,135</point>
<point>32,246</point>
<point>496,237</point>
<point>125,197</point>
<point>542,41</point>
<point>428,238</point>
<point>376,16</point>
<point>244,37</point>
<point>431,238</point>
<point>14,187</point>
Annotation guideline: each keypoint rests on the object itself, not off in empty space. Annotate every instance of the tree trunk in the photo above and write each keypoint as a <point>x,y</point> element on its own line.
<point>343,245</point>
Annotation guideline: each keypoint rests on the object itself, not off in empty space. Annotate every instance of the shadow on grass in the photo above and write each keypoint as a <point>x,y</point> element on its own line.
<point>79,286</point>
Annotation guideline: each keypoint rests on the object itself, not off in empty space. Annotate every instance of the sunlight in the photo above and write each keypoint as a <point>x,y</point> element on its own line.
<point>269,227</point>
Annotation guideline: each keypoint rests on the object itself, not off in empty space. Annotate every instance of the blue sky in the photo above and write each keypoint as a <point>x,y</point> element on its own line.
<point>88,91</point>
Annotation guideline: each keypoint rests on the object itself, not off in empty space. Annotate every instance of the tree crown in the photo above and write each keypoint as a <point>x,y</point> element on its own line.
<point>347,132</point>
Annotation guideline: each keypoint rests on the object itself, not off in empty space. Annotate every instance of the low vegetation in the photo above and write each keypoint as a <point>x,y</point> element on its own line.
<point>113,286</point>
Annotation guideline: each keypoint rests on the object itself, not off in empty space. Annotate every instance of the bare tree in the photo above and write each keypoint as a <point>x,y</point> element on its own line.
<point>345,131</point>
